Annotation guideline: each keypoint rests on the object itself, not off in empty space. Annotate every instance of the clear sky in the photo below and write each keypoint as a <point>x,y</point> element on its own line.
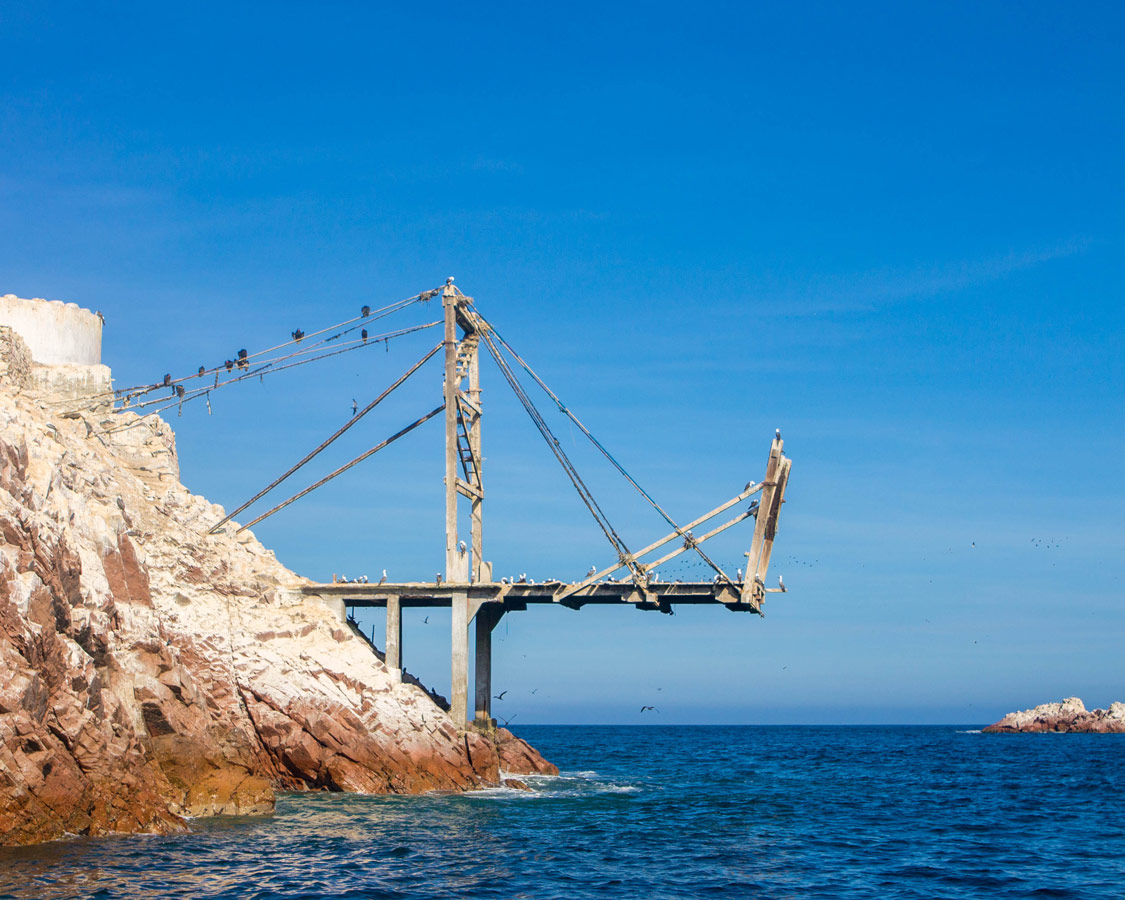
<point>893,231</point>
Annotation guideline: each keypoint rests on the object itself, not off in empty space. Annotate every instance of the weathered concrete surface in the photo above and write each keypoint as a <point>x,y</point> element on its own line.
<point>1069,715</point>
<point>55,332</point>
<point>149,671</point>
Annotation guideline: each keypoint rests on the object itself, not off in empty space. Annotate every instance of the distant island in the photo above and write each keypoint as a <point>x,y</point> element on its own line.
<point>1069,715</point>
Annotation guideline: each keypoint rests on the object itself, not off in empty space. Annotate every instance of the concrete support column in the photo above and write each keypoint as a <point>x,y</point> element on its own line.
<point>394,637</point>
<point>487,617</point>
<point>459,657</point>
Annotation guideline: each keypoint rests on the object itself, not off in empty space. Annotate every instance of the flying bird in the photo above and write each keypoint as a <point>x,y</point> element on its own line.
<point>355,406</point>
<point>653,708</point>
<point>426,621</point>
<point>500,696</point>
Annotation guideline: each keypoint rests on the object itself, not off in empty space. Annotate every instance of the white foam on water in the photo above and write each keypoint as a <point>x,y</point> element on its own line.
<point>971,731</point>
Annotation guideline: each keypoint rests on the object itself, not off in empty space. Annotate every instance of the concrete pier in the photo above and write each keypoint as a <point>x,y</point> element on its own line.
<point>486,619</point>
<point>394,637</point>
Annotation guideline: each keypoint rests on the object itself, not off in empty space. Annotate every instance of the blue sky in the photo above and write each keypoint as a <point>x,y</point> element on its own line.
<point>894,231</point>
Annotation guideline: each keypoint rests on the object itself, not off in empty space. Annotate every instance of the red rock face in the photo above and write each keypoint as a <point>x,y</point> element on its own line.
<point>150,671</point>
<point>1069,715</point>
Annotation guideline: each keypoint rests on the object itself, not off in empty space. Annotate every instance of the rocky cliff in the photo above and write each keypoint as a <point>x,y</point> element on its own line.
<point>1070,715</point>
<point>151,672</point>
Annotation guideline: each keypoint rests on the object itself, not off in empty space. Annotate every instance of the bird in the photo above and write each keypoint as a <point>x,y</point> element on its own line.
<point>167,380</point>
<point>506,721</point>
<point>536,691</point>
<point>461,546</point>
<point>437,578</point>
<point>344,579</point>
<point>297,334</point>
<point>753,509</point>
<point>202,369</point>
<point>781,583</point>
<point>363,334</point>
<point>179,390</point>
<point>426,621</point>
<point>500,696</point>
<point>383,580</point>
<point>504,580</point>
<point>749,485</point>
<point>365,312</point>
<point>653,708</point>
<point>229,364</point>
<point>777,434</point>
<point>101,318</point>
<point>355,407</point>
<point>738,574</point>
<point>523,578</point>
<point>593,571</point>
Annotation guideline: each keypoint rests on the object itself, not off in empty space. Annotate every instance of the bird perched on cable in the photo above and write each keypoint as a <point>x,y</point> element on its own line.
<point>179,390</point>
<point>365,312</point>
<point>355,406</point>
<point>202,370</point>
<point>297,334</point>
<point>383,580</point>
<point>243,360</point>
<point>363,334</point>
<point>229,364</point>
<point>167,381</point>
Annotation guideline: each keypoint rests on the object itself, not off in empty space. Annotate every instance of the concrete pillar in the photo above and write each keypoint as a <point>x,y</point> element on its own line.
<point>459,657</point>
<point>487,617</point>
<point>394,637</point>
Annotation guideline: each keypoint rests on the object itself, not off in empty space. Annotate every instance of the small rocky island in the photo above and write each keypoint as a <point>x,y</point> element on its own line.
<point>1069,715</point>
<point>151,671</point>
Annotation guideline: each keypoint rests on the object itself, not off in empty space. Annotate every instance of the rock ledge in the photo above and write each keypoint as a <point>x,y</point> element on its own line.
<point>1069,715</point>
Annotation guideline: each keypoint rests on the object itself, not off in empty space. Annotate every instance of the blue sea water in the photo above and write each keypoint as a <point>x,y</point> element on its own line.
<point>666,812</point>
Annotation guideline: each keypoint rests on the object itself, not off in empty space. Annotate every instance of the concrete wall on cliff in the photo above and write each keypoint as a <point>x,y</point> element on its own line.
<point>57,333</point>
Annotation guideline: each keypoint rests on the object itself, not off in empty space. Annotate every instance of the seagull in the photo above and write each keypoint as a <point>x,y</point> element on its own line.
<point>461,546</point>
<point>593,571</point>
<point>523,578</point>
<point>777,434</point>
<point>344,579</point>
<point>500,696</point>
<point>437,578</point>
<point>749,485</point>
<point>383,580</point>
<point>506,721</point>
<point>653,708</point>
<point>426,621</point>
<point>535,691</point>
<point>504,580</point>
<point>738,574</point>
<point>355,406</point>
<point>781,583</point>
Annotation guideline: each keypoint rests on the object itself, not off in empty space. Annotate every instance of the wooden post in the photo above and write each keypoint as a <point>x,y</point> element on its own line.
<point>753,590</point>
<point>487,617</point>
<point>478,459</point>
<point>394,637</point>
<point>449,306</point>
<point>459,686</point>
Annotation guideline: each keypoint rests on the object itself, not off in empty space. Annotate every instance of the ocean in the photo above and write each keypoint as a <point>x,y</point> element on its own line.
<point>666,812</point>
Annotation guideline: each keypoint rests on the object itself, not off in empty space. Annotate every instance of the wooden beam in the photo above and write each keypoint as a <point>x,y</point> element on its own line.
<point>723,507</point>
<point>752,590</point>
<point>450,391</point>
